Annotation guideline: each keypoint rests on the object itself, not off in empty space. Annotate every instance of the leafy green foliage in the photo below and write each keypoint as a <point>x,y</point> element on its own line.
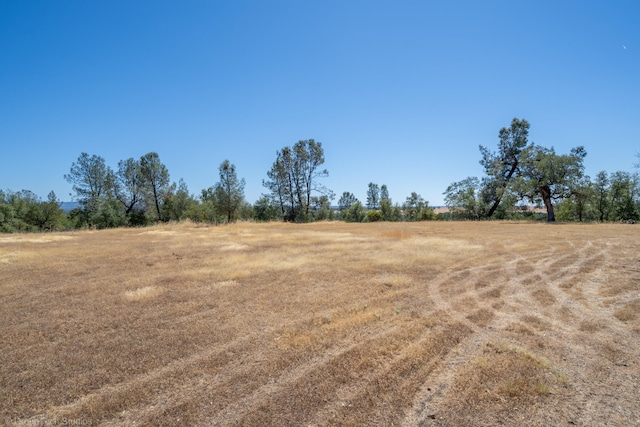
<point>321,208</point>
<point>91,180</point>
<point>547,176</point>
<point>384,193</point>
<point>354,213</point>
<point>156,181</point>
<point>24,211</point>
<point>417,209</point>
<point>129,186</point>
<point>373,196</point>
<point>463,199</point>
<point>624,196</point>
<point>346,201</point>
<point>179,205</point>
<point>265,209</point>
<point>293,178</point>
<point>518,171</point>
<point>601,196</point>
<point>501,166</point>
<point>229,192</point>
<point>373,216</point>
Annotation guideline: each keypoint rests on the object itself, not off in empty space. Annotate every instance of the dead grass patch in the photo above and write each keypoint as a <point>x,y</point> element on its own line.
<point>320,324</point>
<point>629,312</point>
<point>591,325</point>
<point>145,293</point>
<point>520,329</point>
<point>392,280</point>
<point>481,317</point>
<point>499,385</point>
<point>543,297</point>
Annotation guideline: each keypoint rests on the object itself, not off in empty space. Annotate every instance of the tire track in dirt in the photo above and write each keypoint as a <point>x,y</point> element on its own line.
<point>285,380</point>
<point>296,404</point>
<point>504,301</point>
<point>351,386</point>
<point>252,380</point>
<point>570,304</point>
<point>387,397</point>
<point>220,357</point>
<point>477,284</point>
<point>602,343</point>
<point>115,394</point>
<point>246,373</point>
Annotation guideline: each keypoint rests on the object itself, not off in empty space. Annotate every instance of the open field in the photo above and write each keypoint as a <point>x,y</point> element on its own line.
<point>385,324</point>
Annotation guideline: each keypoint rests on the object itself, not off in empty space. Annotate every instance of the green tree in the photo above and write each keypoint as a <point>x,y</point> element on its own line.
<point>155,176</point>
<point>354,213</point>
<point>601,195</point>
<point>416,208</point>
<point>229,191</point>
<point>579,206</point>
<point>346,201</point>
<point>502,166</point>
<point>7,214</point>
<point>322,208</point>
<point>15,211</point>
<point>373,196</point>
<point>24,211</point>
<point>209,206</point>
<point>109,215</point>
<point>386,210</point>
<point>91,179</point>
<point>384,193</point>
<point>462,199</point>
<point>582,197</point>
<point>373,216</point>
<point>624,192</point>
<point>129,186</point>
<point>293,178</point>
<point>309,156</point>
<point>180,205</point>
<point>265,209</point>
<point>280,183</point>
<point>49,215</point>
<point>548,176</point>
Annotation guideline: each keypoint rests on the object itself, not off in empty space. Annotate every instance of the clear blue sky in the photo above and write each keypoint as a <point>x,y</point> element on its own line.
<point>398,92</point>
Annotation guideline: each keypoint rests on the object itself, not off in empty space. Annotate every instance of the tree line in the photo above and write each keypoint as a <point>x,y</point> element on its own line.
<point>520,174</point>
<point>517,175</point>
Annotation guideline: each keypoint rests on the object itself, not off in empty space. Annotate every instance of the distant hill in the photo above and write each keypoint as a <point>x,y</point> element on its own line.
<point>68,206</point>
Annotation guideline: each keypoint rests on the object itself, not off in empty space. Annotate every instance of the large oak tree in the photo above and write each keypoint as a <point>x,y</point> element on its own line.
<point>548,176</point>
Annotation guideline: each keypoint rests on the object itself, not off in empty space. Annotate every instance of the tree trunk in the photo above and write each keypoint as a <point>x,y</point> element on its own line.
<point>157,202</point>
<point>545,192</point>
<point>493,208</point>
<point>496,202</point>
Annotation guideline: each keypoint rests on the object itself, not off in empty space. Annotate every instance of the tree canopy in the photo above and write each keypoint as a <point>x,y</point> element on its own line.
<point>501,166</point>
<point>293,178</point>
<point>520,171</point>
<point>549,176</point>
<point>517,174</point>
<point>229,191</point>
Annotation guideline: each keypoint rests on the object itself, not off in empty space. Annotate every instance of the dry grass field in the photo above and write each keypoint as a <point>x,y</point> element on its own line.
<point>326,324</point>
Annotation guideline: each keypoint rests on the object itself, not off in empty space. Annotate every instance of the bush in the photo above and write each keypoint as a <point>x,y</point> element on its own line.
<point>355,213</point>
<point>373,216</point>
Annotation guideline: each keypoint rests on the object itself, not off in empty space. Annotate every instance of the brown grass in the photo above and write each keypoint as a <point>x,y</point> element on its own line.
<point>422,324</point>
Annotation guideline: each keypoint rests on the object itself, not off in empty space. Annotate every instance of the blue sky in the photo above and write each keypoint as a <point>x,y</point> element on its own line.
<point>398,92</point>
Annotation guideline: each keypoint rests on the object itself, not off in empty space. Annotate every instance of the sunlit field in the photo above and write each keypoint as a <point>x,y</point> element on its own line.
<point>325,324</point>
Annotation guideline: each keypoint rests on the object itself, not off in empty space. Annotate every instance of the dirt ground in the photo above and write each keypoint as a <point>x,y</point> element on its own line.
<point>326,324</point>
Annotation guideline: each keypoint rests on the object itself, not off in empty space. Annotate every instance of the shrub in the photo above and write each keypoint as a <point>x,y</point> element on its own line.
<point>373,216</point>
